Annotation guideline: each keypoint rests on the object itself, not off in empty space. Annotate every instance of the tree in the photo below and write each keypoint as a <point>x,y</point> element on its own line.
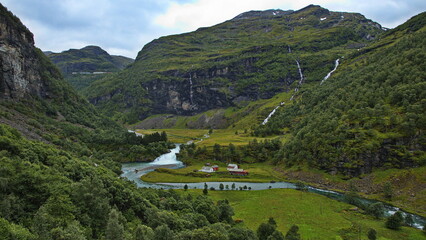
<point>217,152</point>
<point>143,232</point>
<point>395,221</point>
<point>221,187</point>
<point>205,191</point>
<point>233,186</point>
<point>185,187</point>
<point>376,209</point>
<point>372,234</point>
<point>293,233</point>
<point>239,233</point>
<point>388,191</point>
<point>272,221</point>
<point>163,232</point>
<point>265,230</point>
<point>225,211</point>
<point>114,229</point>
<point>208,233</point>
<point>300,186</point>
<point>276,235</point>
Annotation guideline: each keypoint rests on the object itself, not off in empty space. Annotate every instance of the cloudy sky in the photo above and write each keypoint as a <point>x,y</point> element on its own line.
<point>123,27</point>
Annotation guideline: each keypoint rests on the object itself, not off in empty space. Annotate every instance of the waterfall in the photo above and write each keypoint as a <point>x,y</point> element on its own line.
<point>269,116</point>
<point>300,73</point>
<point>329,74</point>
<point>191,92</point>
<point>295,90</point>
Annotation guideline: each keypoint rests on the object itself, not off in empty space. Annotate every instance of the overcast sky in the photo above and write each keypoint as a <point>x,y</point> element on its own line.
<point>123,27</point>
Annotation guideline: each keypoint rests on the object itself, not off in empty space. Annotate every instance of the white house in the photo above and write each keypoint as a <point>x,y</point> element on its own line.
<point>232,167</point>
<point>207,169</point>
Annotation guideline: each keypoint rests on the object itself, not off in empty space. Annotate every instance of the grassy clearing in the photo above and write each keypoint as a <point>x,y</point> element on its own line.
<point>317,216</point>
<point>258,173</point>
<point>220,136</point>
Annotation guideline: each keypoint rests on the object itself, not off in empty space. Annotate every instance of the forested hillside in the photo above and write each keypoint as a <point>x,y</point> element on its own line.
<point>253,56</point>
<point>369,114</point>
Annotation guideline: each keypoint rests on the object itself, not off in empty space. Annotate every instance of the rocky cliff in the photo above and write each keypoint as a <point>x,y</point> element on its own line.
<point>19,60</point>
<point>253,56</point>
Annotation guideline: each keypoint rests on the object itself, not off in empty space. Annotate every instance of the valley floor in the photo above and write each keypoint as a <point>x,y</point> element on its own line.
<point>318,217</point>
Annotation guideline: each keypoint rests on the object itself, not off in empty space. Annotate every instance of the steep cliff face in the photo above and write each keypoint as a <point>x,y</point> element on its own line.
<point>34,98</point>
<point>19,61</point>
<point>253,56</point>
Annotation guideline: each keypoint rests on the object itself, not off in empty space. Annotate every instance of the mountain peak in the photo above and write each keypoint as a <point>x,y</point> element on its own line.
<point>262,14</point>
<point>315,10</point>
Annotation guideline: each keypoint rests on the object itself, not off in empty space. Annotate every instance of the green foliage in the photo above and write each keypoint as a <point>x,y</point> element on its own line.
<point>372,234</point>
<point>12,231</point>
<point>143,232</point>
<point>163,232</point>
<point>114,229</point>
<point>293,233</point>
<point>376,209</point>
<point>395,221</point>
<point>265,230</point>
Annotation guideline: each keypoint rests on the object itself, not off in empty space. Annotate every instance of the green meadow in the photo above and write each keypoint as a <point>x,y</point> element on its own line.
<point>220,136</point>
<point>257,173</point>
<point>318,217</point>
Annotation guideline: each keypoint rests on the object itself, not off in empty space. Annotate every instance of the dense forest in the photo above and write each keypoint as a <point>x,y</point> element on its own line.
<point>49,193</point>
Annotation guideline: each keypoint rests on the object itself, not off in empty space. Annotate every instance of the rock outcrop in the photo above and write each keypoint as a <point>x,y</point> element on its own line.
<point>19,60</point>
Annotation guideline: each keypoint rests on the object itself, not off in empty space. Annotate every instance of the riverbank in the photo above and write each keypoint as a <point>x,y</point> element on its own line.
<point>408,185</point>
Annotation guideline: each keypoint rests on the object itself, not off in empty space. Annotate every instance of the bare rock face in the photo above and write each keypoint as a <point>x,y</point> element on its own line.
<point>19,62</point>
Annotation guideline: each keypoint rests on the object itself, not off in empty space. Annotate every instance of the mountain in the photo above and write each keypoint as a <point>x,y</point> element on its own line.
<point>253,56</point>
<point>80,67</point>
<point>368,115</point>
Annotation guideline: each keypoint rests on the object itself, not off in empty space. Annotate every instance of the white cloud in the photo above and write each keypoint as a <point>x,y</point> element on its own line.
<point>202,13</point>
<point>186,17</point>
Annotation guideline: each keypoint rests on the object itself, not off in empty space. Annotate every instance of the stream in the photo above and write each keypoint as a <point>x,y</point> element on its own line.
<point>133,172</point>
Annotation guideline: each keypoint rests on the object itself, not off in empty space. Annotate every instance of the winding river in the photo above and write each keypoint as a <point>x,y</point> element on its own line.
<point>133,172</point>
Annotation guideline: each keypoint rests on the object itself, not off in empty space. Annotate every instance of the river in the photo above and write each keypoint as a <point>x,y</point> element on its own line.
<point>134,171</point>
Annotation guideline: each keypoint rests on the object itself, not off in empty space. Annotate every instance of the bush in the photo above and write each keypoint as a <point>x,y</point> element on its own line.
<point>395,221</point>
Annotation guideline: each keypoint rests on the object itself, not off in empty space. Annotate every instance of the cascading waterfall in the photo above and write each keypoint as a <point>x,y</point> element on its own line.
<point>269,116</point>
<point>295,90</point>
<point>329,74</point>
<point>300,73</point>
<point>191,92</point>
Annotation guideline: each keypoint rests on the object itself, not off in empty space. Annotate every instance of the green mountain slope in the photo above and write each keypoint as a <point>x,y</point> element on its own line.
<point>251,57</point>
<point>369,114</point>
<point>81,67</point>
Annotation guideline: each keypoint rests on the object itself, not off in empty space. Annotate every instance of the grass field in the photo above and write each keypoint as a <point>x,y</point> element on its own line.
<point>318,217</point>
<point>258,173</point>
<point>220,136</point>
